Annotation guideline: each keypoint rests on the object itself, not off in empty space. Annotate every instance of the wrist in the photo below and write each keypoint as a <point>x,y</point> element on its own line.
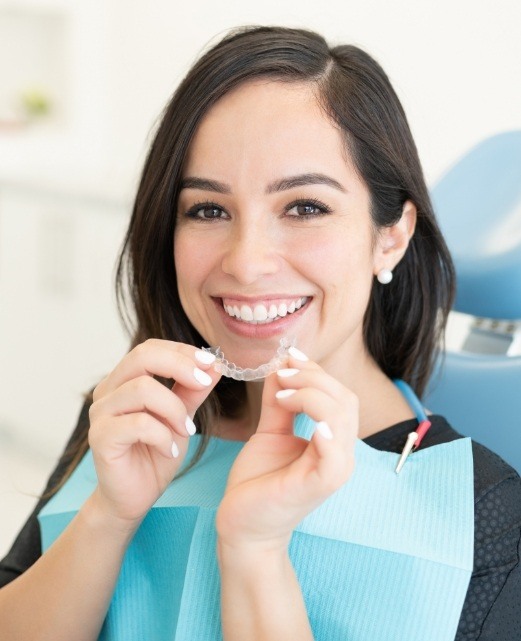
<point>254,555</point>
<point>260,593</point>
<point>98,517</point>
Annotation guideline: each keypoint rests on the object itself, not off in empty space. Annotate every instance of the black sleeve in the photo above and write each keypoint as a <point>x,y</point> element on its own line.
<point>492,609</point>
<point>26,548</point>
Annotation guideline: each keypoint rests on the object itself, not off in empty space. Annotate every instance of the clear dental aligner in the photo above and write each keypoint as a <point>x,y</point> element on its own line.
<point>231,370</point>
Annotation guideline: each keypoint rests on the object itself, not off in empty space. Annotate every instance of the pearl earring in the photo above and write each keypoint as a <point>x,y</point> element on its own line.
<point>384,276</point>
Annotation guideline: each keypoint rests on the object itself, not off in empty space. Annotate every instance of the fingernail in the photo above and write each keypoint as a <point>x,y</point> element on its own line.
<point>190,426</point>
<point>284,393</point>
<point>324,430</point>
<point>287,372</point>
<point>296,353</point>
<point>202,377</point>
<point>204,357</point>
<point>175,450</point>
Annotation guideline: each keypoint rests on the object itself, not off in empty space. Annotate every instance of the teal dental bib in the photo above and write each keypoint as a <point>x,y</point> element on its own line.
<point>386,557</point>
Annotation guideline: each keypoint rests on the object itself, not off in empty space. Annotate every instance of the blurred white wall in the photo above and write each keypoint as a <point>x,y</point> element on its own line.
<point>67,179</point>
<point>455,64</point>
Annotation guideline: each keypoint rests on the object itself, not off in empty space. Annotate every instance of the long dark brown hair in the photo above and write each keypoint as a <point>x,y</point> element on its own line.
<point>405,320</point>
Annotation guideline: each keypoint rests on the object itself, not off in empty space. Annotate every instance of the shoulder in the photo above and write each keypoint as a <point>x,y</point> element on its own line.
<point>491,609</point>
<point>26,548</point>
<point>491,472</point>
<point>497,511</point>
<point>494,479</point>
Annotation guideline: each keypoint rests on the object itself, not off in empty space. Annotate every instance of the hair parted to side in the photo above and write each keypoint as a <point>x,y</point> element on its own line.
<point>405,320</point>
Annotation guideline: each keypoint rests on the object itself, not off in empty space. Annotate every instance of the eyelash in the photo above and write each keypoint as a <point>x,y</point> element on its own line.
<point>313,202</point>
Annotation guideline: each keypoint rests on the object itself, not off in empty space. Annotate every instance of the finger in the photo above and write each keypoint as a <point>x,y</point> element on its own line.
<point>302,373</point>
<point>333,462</point>
<point>328,460</point>
<point>275,417</point>
<point>321,470</point>
<point>192,399</point>
<point>341,418</point>
<point>312,375</point>
<point>145,394</point>
<point>162,358</point>
<point>112,438</point>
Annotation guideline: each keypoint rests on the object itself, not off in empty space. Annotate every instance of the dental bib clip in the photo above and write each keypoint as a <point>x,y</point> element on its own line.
<point>231,370</point>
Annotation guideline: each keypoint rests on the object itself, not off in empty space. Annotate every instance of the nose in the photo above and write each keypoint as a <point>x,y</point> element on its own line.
<point>251,252</point>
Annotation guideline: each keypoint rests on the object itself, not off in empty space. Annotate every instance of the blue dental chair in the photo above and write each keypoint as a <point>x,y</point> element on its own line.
<point>478,204</point>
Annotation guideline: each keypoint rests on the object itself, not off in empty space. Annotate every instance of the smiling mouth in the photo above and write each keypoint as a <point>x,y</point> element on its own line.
<point>263,314</point>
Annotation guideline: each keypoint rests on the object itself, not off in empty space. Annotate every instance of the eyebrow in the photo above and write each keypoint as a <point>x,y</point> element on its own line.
<point>193,182</point>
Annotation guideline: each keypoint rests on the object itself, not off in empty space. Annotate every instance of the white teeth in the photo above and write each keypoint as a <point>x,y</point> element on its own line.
<point>273,311</point>
<point>246,313</point>
<point>259,314</point>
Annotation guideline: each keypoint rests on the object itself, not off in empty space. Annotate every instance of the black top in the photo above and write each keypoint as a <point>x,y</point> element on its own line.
<point>492,608</point>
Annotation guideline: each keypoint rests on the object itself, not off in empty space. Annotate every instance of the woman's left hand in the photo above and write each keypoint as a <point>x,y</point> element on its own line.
<point>279,478</point>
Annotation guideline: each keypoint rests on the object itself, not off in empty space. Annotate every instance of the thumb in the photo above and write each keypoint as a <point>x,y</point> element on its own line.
<point>193,399</point>
<point>274,419</point>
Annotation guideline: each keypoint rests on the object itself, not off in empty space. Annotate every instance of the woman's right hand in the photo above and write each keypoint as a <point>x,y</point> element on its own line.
<point>139,429</point>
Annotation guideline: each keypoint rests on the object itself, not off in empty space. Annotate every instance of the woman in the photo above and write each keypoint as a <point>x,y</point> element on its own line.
<point>282,197</point>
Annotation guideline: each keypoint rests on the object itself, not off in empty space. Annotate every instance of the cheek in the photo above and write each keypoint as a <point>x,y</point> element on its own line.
<point>179,258</point>
<point>191,260</point>
<point>334,256</point>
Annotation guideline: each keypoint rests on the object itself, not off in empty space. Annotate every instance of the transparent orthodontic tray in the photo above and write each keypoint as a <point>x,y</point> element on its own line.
<point>231,370</point>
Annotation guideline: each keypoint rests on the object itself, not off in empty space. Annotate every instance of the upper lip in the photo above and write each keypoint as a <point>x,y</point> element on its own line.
<point>253,299</point>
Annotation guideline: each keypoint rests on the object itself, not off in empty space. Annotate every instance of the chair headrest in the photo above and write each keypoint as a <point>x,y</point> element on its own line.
<point>478,205</point>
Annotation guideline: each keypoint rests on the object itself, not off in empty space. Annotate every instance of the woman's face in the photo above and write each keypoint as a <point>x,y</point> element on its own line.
<point>273,221</point>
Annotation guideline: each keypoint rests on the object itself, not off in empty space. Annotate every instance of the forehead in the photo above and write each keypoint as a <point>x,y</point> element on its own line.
<point>267,127</point>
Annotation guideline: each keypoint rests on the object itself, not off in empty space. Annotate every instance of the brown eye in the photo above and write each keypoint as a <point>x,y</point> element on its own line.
<point>306,210</point>
<point>205,212</point>
<point>209,212</point>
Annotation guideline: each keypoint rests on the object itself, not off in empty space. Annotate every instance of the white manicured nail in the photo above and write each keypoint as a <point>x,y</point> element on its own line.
<point>175,450</point>
<point>324,430</point>
<point>284,393</point>
<point>285,373</point>
<point>190,426</point>
<point>202,377</point>
<point>204,357</point>
<point>296,353</point>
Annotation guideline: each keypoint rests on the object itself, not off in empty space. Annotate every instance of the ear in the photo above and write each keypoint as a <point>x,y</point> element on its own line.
<point>393,241</point>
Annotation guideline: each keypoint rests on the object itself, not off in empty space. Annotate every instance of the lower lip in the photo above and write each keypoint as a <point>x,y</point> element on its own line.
<point>265,330</point>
